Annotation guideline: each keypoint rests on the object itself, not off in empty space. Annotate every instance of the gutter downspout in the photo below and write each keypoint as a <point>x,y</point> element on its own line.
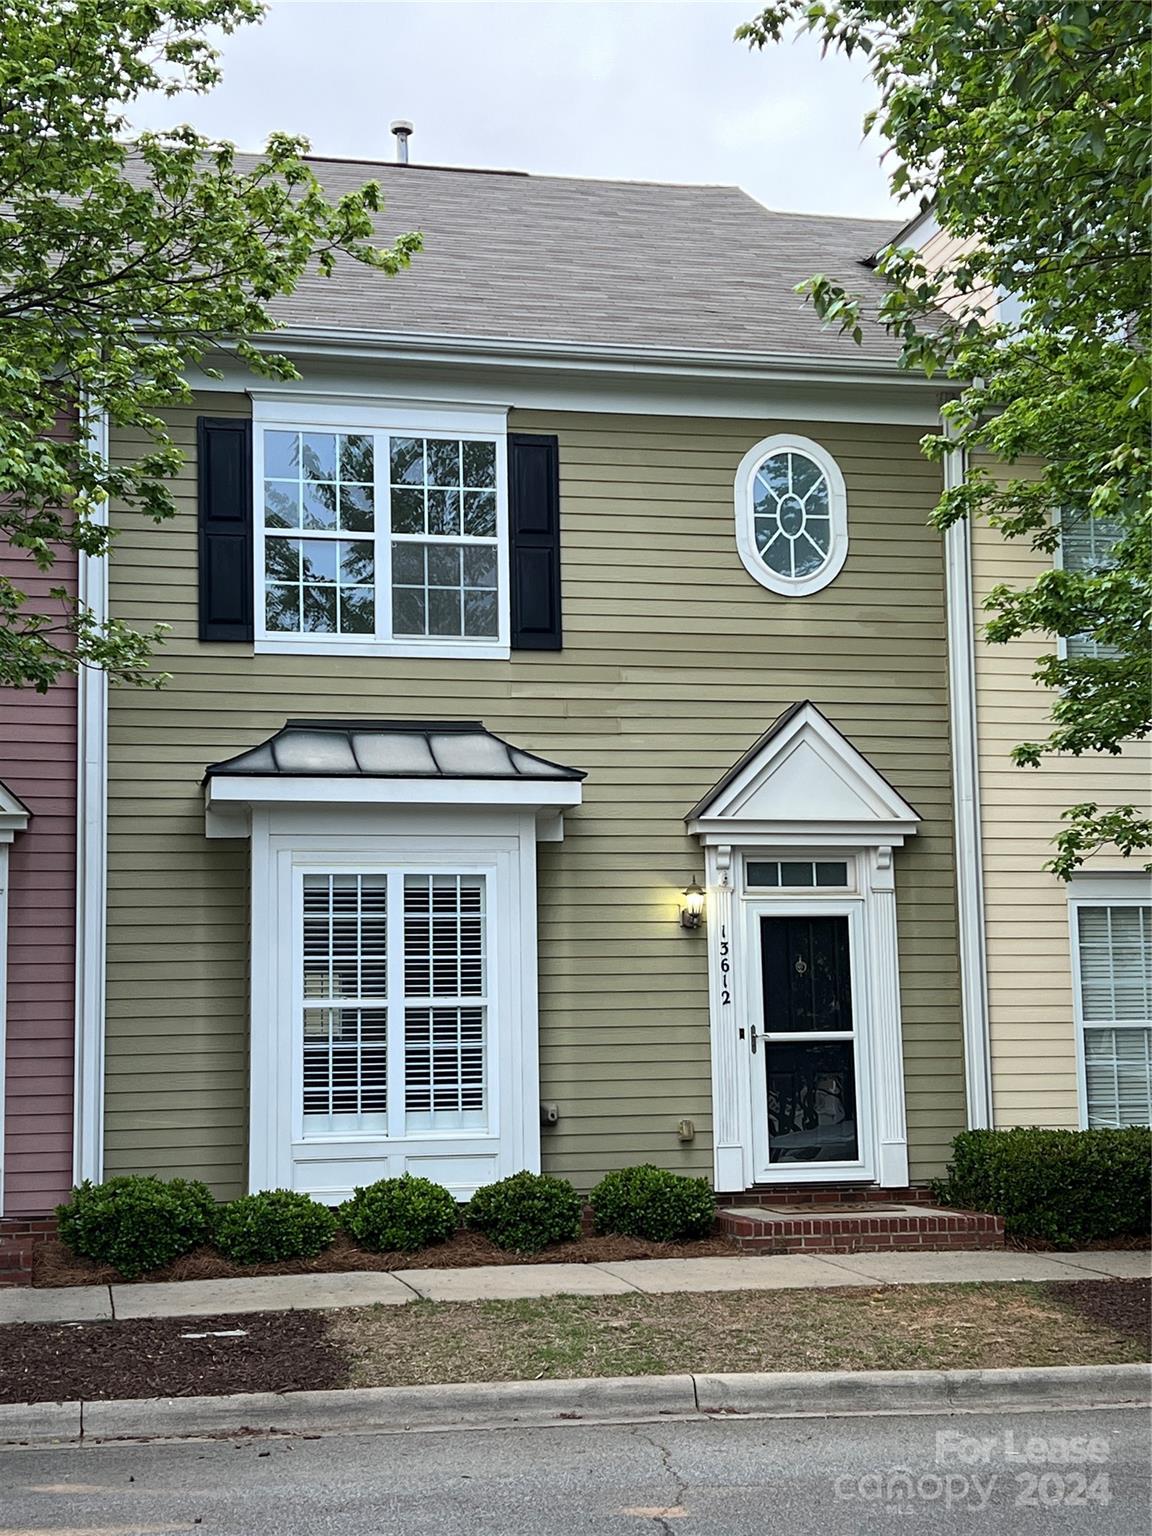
<point>91,865</point>
<point>966,798</point>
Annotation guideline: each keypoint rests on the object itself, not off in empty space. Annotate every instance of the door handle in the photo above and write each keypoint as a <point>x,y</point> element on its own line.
<point>755,1033</point>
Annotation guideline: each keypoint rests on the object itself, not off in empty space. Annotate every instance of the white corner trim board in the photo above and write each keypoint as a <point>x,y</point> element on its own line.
<point>966,808</point>
<point>91,866</point>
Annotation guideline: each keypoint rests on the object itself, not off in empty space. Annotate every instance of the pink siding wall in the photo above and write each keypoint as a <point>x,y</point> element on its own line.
<point>38,763</point>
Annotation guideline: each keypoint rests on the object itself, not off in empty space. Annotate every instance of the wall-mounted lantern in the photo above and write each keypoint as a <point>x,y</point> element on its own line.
<point>692,907</point>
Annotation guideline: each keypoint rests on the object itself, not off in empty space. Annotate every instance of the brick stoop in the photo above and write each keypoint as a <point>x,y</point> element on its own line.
<point>20,1236</point>
<point>867,1226</point>
<point>828,1194</point>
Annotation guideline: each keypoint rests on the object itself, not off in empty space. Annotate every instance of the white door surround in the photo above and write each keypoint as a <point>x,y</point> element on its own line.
<point>803,792</point>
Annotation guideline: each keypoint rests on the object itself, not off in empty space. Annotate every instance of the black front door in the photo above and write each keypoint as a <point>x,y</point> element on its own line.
<point>810,1051</point>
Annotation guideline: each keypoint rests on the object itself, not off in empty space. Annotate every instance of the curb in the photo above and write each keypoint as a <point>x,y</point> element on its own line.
<point>613,1399</point>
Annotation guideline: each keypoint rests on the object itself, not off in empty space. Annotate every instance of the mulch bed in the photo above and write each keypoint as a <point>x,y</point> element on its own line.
<point>1122,1305</point>
<point>56,1265</point>
<point>149,1357</point>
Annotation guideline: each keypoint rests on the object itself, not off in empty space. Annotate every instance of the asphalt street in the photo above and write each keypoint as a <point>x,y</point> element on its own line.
<point>1075,1471</point>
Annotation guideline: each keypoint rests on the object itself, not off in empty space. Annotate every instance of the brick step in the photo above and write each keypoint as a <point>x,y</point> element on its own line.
<point>864,1227</point>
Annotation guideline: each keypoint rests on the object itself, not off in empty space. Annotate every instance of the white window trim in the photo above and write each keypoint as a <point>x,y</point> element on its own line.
<point>288,841</point>
<point>1113,888</point>
<point>408,418</point>
<point>745,517</point>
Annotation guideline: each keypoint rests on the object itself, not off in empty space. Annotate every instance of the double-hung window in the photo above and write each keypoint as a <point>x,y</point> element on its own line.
<point>1112,945</point>
<point>381,531</point>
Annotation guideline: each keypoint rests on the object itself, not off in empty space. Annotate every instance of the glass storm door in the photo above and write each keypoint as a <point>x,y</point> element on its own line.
<point>809,1042</point>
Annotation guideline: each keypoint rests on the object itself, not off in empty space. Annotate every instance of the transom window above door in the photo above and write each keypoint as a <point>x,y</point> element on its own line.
<point>381,538</point>
<point>800,874</point>
<point>791,515</point>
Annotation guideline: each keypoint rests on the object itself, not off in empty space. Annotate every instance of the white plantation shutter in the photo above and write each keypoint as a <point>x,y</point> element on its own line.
<point>1115,981</point>
<point>445,1012</point>
<point>345,991</point>
<point>413,1061</point>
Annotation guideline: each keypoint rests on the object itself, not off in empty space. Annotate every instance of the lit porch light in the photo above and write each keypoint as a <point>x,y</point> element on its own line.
<point>692,907</point>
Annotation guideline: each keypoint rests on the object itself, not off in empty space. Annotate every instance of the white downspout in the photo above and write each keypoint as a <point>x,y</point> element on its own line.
<point>91,865</point>
<point>966,794</point>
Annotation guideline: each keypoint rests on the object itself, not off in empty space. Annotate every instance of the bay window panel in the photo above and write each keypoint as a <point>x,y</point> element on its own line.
<point>345,984</point>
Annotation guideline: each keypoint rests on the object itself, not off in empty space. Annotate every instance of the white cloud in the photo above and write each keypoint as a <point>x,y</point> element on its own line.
<point>776,120</point>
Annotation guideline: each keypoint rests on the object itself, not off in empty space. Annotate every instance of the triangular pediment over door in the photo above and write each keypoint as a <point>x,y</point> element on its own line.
<point>804,779</point>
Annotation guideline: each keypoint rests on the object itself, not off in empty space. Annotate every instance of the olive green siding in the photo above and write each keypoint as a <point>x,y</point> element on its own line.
<point>674,661</point>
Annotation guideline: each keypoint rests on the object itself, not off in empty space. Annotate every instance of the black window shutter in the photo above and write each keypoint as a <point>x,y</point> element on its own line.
<point>224,490</point>
<point>534,518</point>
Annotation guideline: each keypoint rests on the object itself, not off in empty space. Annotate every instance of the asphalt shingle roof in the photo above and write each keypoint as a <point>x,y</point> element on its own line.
<point>600,263</point>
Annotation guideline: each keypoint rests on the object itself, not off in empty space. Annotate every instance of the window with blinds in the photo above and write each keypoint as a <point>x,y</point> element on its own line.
<point>444,1014</point>
<point>1114,946</point>
<point>345,1002</point>
<point>394,1039</point>
<point>1086,545</point>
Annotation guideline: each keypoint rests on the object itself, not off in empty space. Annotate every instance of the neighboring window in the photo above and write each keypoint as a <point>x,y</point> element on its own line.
<point>1114,984</point>
<point>797,873</point>
<point>407,1059</point>
<point>380,537</point>
<point>1086,544</point>
<point>791,515</point>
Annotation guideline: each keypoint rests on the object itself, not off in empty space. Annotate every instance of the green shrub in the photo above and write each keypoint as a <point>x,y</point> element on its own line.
<point>273,1225</point>
<point>137,1223</point>
<point>400,1215</point>
<point>526,1212</point>
<point>650,1202</point>
<point>1068,1187</point>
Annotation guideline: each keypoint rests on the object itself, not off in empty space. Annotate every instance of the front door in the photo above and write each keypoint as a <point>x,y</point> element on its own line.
<point>809,1077</point>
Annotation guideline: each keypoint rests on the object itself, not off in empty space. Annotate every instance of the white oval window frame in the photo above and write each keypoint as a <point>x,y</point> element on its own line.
<point>790,586</point>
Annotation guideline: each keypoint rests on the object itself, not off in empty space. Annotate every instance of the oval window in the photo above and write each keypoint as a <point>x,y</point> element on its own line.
<point>791,515</point>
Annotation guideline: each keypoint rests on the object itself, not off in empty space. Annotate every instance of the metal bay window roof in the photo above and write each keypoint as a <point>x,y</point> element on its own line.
<point>389,749</point>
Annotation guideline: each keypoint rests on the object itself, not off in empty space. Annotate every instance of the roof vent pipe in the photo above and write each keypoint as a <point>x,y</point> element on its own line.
<point>402,130</point>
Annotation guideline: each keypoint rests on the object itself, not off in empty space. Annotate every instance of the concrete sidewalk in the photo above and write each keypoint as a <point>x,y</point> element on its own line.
<point>496,1282</point>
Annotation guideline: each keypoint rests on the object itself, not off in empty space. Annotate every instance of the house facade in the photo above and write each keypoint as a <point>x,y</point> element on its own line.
<point>39,867</point>
<point>1069,963</point>
<point>1068,978</point>
<point>663,545</point>
<point>574,735</point>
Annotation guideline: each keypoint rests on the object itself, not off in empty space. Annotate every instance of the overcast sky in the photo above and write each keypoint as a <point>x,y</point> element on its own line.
<point>646,89</point>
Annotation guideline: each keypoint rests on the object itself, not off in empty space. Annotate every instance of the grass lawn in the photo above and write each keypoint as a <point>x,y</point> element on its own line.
<point>890,1328</point>
<point>895,1328</point>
